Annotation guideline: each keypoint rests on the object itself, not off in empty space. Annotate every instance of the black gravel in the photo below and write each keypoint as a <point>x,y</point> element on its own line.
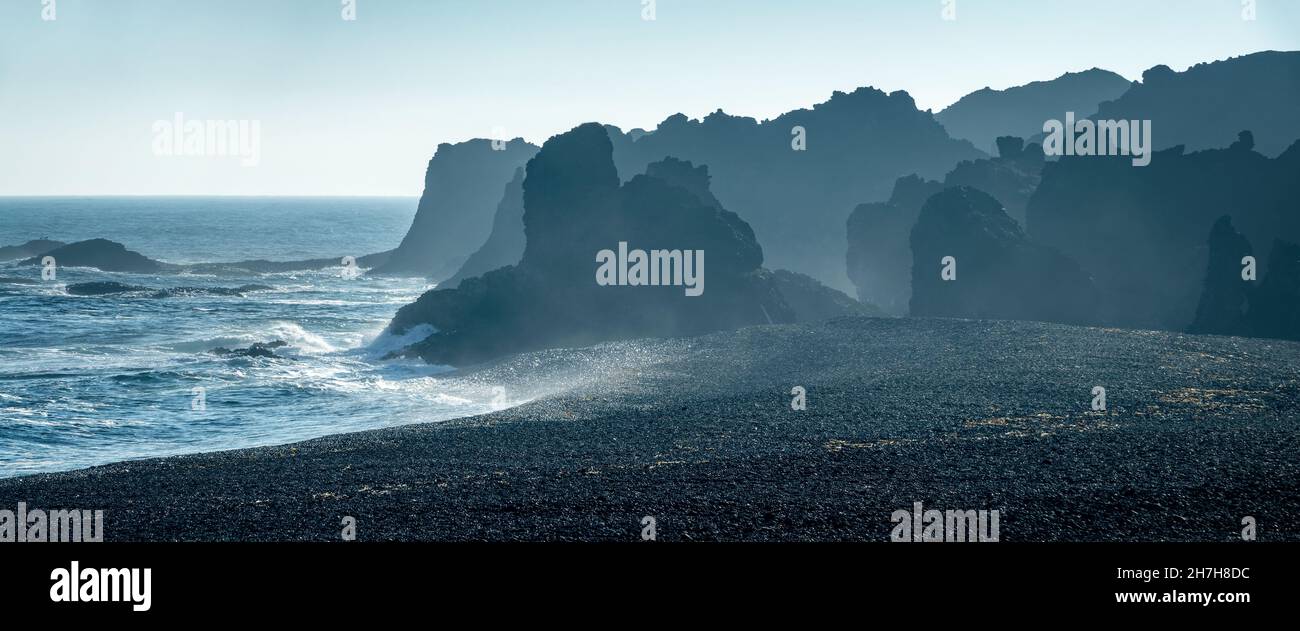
<point>1200,431</point>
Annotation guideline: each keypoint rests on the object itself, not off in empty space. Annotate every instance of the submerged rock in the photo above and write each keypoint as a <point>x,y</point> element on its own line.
<point>103,288</point>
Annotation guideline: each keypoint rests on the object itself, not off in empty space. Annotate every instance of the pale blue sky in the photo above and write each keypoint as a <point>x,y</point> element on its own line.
<point>357,108</point>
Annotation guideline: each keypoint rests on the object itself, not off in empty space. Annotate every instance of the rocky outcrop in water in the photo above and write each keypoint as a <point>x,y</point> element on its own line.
<point>35,247</point>
<point>102,254</point>
<point>462,188</point>
<point>993,270</point>
<point>584,277</point>
<point>256,349</point>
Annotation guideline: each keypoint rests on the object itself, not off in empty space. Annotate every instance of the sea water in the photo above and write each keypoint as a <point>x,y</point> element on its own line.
<point>87,380</point>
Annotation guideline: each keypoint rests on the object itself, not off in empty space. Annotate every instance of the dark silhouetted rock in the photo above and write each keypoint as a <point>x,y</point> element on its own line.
<point>1226,295</point>
<point>102,254</point>
<point>257,349</point>
<point>103,288</point>
<point>574,208</point>
<point>814,302</point>
<point>798,201</point>
<point>1275,305</point>
<point>1000,274</point>
<point>35,247</point>
<point>1011,178</point>
<point>462,188</point>
<point>1140,231</point>
<point>1205,106</point>
<point>506,243</point>
<point>983,115</point>
<point>880,252</point>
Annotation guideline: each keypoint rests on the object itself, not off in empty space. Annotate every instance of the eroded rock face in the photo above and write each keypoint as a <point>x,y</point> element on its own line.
<point>462,189</point>
<point>505,245</point>
<point>1275,307</point>
<point>1140,231</point>
<point>880,252</point>
<point>996,272</point>
<point>983,115</point>
<point>1011,178</point>
<point>1206,105</point>
<point>574,209</point>
<point>854,146</point>
<point>1226,295</point>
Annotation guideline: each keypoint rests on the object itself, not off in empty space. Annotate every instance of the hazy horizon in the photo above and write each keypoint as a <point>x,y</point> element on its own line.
<point>357,108</point>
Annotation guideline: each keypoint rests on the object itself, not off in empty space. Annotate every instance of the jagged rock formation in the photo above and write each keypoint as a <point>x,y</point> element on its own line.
<point>1011,178</point>
<point>880,253</point>
<point>256,349</point>
<point>1275,306</point>
<point>102,254</point>
<point>575,207</point>
<point>35,247</point>
<point>462,188</point>
<point>506,243</point>
<point>1234,305</point>
<point>984,115</point>
<point>1205,106</point>
<point>1140,231</point>
<point>797,202</point>
<point>999,273</point>
<point>1226,294</point>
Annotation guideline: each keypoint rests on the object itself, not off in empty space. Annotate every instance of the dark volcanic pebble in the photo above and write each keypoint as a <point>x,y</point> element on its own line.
<point>1200,431</point>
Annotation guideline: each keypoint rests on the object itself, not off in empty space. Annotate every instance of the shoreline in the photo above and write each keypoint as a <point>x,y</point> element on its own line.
<point>699,433</point>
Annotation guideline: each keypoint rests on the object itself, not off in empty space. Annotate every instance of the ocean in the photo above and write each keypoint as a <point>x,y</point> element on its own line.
<point>87,380</point>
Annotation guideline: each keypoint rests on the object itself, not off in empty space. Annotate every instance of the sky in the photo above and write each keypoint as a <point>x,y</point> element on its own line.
<point>357,107</point>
